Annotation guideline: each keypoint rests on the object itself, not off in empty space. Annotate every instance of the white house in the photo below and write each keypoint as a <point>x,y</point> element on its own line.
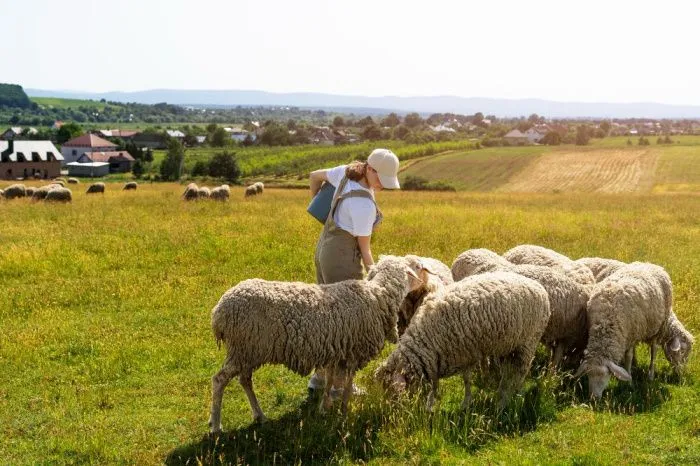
<point>73,149</point>
<point>238,134</point>
<point>533,135</point>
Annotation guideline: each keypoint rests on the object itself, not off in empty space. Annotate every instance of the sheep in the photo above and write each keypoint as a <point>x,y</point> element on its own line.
<point>307,326</point>
<point>59,195</point>
<point>130,186</point>
<point>98,187</point>
<point>566,330</point>
<point>40,193</point>
<point>73,181</point>
<point>203,192</point>
<point>498,315</point>
<point>436,273</point>
<point>630,306</point>
<point>29,191</point>
<point>15,191</point>
<point>221,193</point>
<point>2,193</point>
<point>476,261</point>
<point>677,343</point>
<point>251,190</point>
<point>600,267</point>
<point>259,187</point>
<point>537,255</point>
<point>191,192</point>
<point>59,181</point>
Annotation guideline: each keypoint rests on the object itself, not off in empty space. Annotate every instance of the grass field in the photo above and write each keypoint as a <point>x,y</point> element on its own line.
<point>56,102</point>
<point>106,351</point>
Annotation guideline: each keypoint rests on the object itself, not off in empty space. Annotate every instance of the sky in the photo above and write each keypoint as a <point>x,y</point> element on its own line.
<point>584,51</point>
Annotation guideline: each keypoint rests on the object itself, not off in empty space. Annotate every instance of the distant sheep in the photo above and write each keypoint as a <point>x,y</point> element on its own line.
<point>40,193</point>
<point>98,187</point>
<point>434,274</point>
<point>221,193</point>
<point>307,326</point>
<point>499,315</point>
<point>15,191</point>
<point>259,187</point>
<point>59,181</point>
<point>130,186</point>
<point>59,195</point>
<point>203,193</point>
<point>29,192</point>
<point>537,255</point>
<point>2,193</point>
<point>251,190</point>
<point>631,306</point>
<point>191,192</point>
<point>600,267</point>
<point>73,181</point>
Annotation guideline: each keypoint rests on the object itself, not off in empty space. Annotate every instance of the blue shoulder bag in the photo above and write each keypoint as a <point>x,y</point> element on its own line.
<point>320,205</point>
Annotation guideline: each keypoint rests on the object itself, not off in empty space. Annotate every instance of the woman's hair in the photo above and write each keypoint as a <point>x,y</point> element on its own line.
<point>356,170</point>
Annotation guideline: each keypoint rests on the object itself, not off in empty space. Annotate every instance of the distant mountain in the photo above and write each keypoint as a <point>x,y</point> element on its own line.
<point>363,104</point>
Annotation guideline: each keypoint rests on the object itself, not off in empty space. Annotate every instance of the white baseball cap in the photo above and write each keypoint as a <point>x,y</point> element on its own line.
<point>386,163</point>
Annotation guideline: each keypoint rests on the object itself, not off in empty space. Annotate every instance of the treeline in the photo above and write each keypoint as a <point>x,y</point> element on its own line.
<point>12,95</point>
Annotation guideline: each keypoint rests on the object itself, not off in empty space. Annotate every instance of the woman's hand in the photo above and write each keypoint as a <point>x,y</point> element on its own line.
<point>363,243</point>
<point>316,179</point>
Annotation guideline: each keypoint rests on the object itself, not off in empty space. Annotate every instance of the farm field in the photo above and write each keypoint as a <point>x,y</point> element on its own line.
<point>106,351</point>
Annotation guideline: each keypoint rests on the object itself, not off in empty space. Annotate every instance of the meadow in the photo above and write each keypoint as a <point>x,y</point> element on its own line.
<point>106,351</point>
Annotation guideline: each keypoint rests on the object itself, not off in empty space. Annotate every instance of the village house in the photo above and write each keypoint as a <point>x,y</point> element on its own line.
<point>177,134</point>
<point>534,136</point>
<point>119,161</point>
<point>15,131</point>
<point>73,149</point>
<point>29,159</point>
<point>150,140</point>
<point>516,138</point>
<point>238,134</point>
<point>91,169</point>
<point>321,135</point>
<point>117,133</point>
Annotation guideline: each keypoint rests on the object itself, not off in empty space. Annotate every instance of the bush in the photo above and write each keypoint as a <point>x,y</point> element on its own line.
<point>225,165</point>
<point>643,141</point>
<point>417,183</point>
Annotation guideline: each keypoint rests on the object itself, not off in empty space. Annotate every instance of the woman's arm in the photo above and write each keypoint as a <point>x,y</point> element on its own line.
<point>363,242</point>
<point>316,180</point>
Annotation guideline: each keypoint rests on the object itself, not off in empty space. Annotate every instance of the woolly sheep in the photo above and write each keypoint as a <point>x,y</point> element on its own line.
<point>498,315</point>
<point>600,267</point>
<point>191,192</point>
<point>251,190</point>
<point>221,193</point>
<point>130,186</point>
<point>98,187</point>
<point>307,326</point>
<point>435,273</point>
<point>566,330</point>
<point>29,191</point>
<point>15,191</point>
<point>632,305</point>
<point>259,187</point>
<point>59,181</point>
<point>40,193</point>
<point>59,195</point>
<point>537,255</point>
<point>203,192</point>
<point>73,181</point>
<point>677,343</point>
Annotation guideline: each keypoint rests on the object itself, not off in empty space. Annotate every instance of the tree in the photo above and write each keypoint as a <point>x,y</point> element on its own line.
<point>211,127</point>
<point>372,133</point>
<point>148,157</point>
<point>68,131</point>
<point>201,168</point>
<point>170,167</point>
<point>582,135</point>
<point>400,132</point>
<point>133,150</point>
<point>248,140</point>
<point>552,138</point>
<point>224,165</point>
<point>275,135</point>
<point>605,126</point>
<point>338,122</point>
<point>220,138</point>
<point>391,120</point>
<point>138,168</point>
<point>413,120</point>
<point>366,121</point>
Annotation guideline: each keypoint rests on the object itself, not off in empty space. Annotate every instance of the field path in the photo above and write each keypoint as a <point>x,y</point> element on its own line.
<point>601,171</point>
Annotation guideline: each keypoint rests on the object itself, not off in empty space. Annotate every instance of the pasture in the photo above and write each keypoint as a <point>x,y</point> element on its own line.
<point>106,351</point>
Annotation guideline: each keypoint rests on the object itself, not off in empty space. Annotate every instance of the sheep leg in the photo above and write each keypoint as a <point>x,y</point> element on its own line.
<point>629,357</point>
<point>467,377</point>
<point>350,374</point>
<point>246,380</point>
<point>652,351</point>
<point>218,384</point>
<point>557,355</point>
<point>433,395</point>
<point>514,368</point>
<point>326,400</point>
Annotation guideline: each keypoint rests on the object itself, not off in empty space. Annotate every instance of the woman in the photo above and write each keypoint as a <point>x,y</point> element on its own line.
<point>344,245</point>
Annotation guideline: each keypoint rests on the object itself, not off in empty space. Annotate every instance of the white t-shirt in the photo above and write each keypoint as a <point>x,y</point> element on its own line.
<point>356,215</point>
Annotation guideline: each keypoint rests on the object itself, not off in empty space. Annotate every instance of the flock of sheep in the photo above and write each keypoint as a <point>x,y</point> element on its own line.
<point>220,193</point>
<point>56,191</point>
<point>487,312</point>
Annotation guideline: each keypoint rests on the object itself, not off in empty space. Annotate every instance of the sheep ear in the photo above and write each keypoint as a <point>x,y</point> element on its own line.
<point>398,382</point>
<point>675,344</point>
<point>582,369</point>
<point>426,267</point>
<point>618,371</point>
<point>413,274</point>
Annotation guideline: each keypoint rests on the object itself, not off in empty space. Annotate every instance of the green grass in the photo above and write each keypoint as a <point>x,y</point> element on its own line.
<point>106,351</point>
<point>56,102</point>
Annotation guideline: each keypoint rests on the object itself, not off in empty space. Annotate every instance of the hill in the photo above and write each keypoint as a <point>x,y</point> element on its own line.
<point>423,104</point>
<point>12,95</point>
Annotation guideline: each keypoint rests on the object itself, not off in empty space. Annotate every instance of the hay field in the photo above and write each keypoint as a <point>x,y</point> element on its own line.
<point>106,351</point>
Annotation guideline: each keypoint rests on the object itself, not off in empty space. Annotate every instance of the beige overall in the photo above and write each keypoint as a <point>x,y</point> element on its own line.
<point>338,258</point>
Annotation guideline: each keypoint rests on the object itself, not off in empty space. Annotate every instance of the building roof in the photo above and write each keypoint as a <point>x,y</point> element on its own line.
<point>108,156</point>
<point>18,130</point>
<point>27,149</point>
<point>117,133</point>
<point>89,140</point>
<point>87,164</point>
<point>175,133</point>
<point>516,133</point>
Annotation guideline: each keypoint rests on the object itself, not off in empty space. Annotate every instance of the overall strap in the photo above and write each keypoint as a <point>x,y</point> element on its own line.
<point>336,198</point>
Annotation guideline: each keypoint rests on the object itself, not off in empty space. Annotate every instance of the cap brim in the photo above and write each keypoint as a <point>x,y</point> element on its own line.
<point>389,182</point>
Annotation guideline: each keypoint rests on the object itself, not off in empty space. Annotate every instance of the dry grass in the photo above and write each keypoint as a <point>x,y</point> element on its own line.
<point>601,171</point>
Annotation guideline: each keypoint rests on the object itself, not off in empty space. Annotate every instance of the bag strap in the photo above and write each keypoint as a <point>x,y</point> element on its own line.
<point>336,198</point>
